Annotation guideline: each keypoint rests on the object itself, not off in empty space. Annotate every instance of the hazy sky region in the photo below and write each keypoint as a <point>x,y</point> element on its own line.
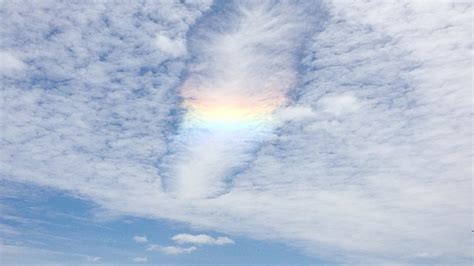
<point>236,132</point>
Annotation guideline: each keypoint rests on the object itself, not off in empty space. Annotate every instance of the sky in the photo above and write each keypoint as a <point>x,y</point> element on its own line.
<point>236,132</point>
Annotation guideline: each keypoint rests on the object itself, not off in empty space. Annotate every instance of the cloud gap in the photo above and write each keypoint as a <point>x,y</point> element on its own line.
<point>244,65</point>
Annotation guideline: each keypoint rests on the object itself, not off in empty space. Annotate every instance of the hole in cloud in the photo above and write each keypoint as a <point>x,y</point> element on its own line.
<point>241,74</point>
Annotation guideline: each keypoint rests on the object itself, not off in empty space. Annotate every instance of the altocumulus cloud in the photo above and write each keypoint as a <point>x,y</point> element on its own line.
<point>350,122</point>
<point>10,62</point>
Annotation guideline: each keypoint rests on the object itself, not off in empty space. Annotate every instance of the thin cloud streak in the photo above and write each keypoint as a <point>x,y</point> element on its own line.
<point>171,250</point>
<point>202,239</point>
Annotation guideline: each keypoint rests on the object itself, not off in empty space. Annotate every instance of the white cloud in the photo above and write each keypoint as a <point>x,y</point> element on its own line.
<point>251,61</point>
<point>339,104</point>
<point>184,239</point>
<point>140,259</point>
<point>171,250</point>
<point>173,46</point>
<point>201,239</point>
<point>364,188</point>
<point>93,259</point>
<point>295,113</point>
<point>9,62</point>
<point>140,239</point>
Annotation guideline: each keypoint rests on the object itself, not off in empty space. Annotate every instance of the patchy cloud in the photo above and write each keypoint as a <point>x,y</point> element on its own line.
<point>10,62</point>
<point>129,106</point>
<point>174,46</point>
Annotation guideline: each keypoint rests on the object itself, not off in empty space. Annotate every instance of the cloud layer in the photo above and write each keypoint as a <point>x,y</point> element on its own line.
<point>362,151</point>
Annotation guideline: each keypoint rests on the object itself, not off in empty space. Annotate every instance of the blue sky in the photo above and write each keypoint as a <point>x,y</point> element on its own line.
<point>56,228</point>
<point>236,132</point>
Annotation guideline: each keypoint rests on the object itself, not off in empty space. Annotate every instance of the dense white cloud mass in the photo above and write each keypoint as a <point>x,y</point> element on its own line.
<point>366,152</point>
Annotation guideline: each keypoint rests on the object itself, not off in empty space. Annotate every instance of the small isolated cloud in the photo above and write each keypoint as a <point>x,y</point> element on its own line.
<point>294,113</point>
<point>93,259</point>
<point>140,239</point>
<point>140,259</point>
<point>202,239</point>
<point>9,62</point>
<point>175,47</point>
<point>339,104</point>
<point>171,250</point>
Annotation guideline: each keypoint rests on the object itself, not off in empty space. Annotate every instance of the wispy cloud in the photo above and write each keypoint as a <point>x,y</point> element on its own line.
<point>171,250</point>
<point>240,77</point>
<point>140,239</point>
<point>140,259</point>
<point>202,239</point>
<point>21,255</point>
<point>93,259</point>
